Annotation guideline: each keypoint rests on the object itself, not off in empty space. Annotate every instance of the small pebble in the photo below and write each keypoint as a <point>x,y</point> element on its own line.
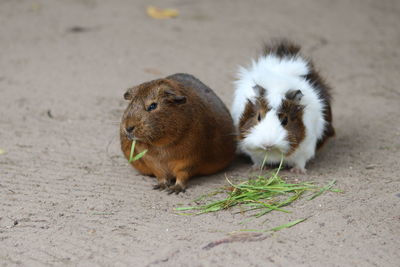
<point>78,29</point>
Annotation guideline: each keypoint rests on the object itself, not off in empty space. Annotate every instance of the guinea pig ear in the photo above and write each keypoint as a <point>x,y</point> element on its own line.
<point>129,93</point>
<point>260,91</point>
<point>294,95</point>
<point>177,99</point>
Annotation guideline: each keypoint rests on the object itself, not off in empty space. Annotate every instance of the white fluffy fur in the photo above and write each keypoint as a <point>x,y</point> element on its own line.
<point>278,76</point>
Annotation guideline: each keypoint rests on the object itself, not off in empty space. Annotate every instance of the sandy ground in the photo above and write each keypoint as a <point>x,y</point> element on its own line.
<point>68,197</point>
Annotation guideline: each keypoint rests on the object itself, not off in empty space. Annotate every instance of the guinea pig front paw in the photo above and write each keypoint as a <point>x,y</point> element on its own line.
<point>176,189</point>
<point>160,186</point>
<point>298,170</point>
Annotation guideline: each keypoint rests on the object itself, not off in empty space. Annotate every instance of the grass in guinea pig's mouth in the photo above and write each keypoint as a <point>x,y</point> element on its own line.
<point>258,196</point>
<point>138,156</point>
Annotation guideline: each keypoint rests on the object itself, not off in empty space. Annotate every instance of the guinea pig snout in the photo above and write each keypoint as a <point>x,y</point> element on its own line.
<point>268,147</point>
<point>129,131</point>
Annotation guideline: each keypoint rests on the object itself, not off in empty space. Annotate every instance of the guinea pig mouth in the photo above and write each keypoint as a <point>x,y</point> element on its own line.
<point>271,150</point>
<point>131,137</point>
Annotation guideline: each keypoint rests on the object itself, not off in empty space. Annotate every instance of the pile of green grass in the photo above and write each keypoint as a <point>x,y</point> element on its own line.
<point>260,196</point>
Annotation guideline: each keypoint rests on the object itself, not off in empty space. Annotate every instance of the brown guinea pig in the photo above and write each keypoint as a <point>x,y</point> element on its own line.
<point>185,127</point>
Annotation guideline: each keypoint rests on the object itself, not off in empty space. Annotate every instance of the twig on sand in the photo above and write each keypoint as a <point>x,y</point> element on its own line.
<point>241,237</point>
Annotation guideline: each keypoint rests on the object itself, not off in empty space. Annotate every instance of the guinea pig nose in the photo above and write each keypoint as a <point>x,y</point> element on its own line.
<point>130,129</point>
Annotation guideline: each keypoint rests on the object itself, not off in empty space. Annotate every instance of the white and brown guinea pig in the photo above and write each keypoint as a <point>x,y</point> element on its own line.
<point>282,107</point>
<point>185,127</point>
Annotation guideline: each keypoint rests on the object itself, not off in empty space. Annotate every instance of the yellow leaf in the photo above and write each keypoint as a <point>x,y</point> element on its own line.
<point>157,13</point>
<point>36,7</point>
<point>2,151</point>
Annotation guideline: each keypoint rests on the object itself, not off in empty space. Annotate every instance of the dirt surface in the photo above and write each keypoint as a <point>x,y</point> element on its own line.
<point>68,197</point>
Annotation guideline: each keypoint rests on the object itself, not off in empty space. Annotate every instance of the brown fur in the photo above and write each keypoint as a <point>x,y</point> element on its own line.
<point>295,127</point>
<point>249,117</point>
<point>190,132</point>
<point>329,131</point>
<point>282,48</point>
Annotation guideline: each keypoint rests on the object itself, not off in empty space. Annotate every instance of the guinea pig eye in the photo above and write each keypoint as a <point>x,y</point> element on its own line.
<point>284,121</point>
<point>152,106</point>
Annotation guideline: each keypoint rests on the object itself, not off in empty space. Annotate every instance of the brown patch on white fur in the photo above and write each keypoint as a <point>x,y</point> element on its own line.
<point>251,115</point>
<point>292,112</point>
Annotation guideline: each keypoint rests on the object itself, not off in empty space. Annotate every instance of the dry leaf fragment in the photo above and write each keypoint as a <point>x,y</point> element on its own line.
<point>152,71</point>
<point>157,13</point>
<point>35,7</point>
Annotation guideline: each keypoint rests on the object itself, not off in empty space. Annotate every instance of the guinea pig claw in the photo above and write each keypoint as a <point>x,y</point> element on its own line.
<point>176,189</point>
<point>298,171</point>
<point>160,187</point>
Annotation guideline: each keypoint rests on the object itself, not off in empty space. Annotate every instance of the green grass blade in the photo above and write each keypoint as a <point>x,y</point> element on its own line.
<point>280,166</point>
<point>288,225</point>
<point>323,189</point>
<point>271,207</point>
<point>132,151</point>
<point>140,155</point>
<point>275,177</point>
<point>263,163</point>
<point>184,208</point>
